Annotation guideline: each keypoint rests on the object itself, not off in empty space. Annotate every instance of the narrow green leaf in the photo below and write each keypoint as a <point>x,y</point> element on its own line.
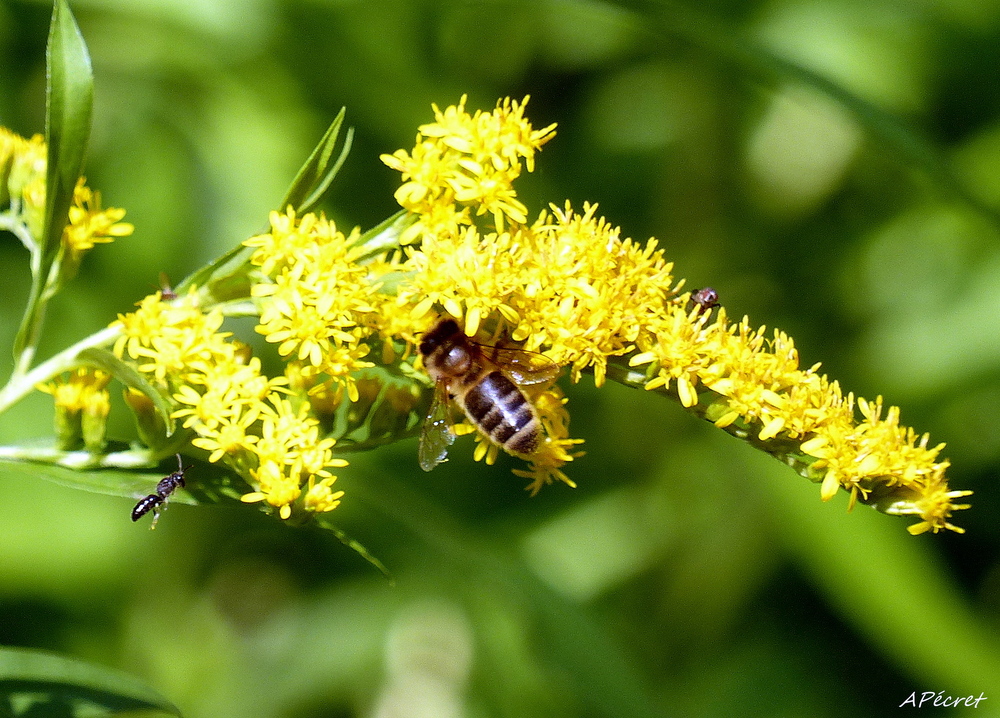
<point>226,277</point>
<point>63,680</point>
<point>355,546</point>
<point>109,482</point>
<point>230,264</point>
<point>130,376</point>
<point>106,474</point>
<point>70,99</point>
<point>385,235</point>
<point>326,180</point>
<point>315,176</point>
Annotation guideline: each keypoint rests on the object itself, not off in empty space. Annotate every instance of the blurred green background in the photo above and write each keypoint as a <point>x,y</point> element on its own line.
<point>687,575</point>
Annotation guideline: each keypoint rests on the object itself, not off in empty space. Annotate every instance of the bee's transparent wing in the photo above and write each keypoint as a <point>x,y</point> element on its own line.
<point>436,435</point>
<point>523,367</point>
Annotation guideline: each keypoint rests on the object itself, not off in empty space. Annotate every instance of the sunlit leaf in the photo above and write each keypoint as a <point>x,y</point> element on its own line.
<point>206,483</point>
<point>225,275</point>
<point>70,95</point>
<point>110,482</point>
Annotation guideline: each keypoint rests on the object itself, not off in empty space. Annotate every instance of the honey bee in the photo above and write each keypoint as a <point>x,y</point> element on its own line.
<point>484,381</point>
<point>156,501</point>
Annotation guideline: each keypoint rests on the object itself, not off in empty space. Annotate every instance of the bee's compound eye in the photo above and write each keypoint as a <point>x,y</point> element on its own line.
<point>428,345</point>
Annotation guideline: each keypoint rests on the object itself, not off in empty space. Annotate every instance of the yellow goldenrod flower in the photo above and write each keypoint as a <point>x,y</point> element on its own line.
<point>469,161</point>
<point>320,498</point>
<point>317,298</point>
<point>545,466</point>
<point>89,224</point>
<point>22,162</point>
<point>82,404</point>
<point>227,437</point>
<point>276,487</point>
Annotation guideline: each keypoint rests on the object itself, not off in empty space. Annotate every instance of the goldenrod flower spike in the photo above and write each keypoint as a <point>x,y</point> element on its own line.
<point>568,285</point>
<point>345,312</point>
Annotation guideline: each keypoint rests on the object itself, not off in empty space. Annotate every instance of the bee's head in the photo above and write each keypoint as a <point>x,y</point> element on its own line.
<point>442,332</point>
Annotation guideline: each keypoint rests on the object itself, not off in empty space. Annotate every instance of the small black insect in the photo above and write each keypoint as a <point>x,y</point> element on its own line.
<point>706,298</point>
<point>157,501</point>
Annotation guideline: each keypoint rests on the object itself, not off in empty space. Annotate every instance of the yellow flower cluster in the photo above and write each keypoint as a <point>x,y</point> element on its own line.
<point>462,169</point>
<point>23,163</point>
<point>757,383</point>
<point>82,404</point>
<point>89,224</point>
<point>569,286</point>
<point>462,162</point>
<point>239,415</point>
<point>318,304</point>
<point>567,283</point>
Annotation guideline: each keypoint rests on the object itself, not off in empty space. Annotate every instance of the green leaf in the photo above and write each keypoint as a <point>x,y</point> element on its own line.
<point>391,408</point>
<point>70,100</point>
<point>130,376</point>
<point>70,97</point>
<point>124,473</point>
<point>61,682</point>
<point>354,545</point>
<point>384,236</point>
<point>314,179</point>
<point>225,276</point>
<point>110,482</point>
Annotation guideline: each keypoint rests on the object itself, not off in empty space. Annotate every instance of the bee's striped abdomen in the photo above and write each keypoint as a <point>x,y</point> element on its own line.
<point>498,407</point>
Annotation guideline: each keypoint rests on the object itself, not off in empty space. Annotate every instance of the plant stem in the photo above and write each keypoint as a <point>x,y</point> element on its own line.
<point>23,382</point>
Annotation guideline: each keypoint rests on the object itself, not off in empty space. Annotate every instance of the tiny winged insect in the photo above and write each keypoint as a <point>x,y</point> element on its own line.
<point>157,501</point>
<point>706,298</point>
<point>167,292</point>
<point>484,381</point>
